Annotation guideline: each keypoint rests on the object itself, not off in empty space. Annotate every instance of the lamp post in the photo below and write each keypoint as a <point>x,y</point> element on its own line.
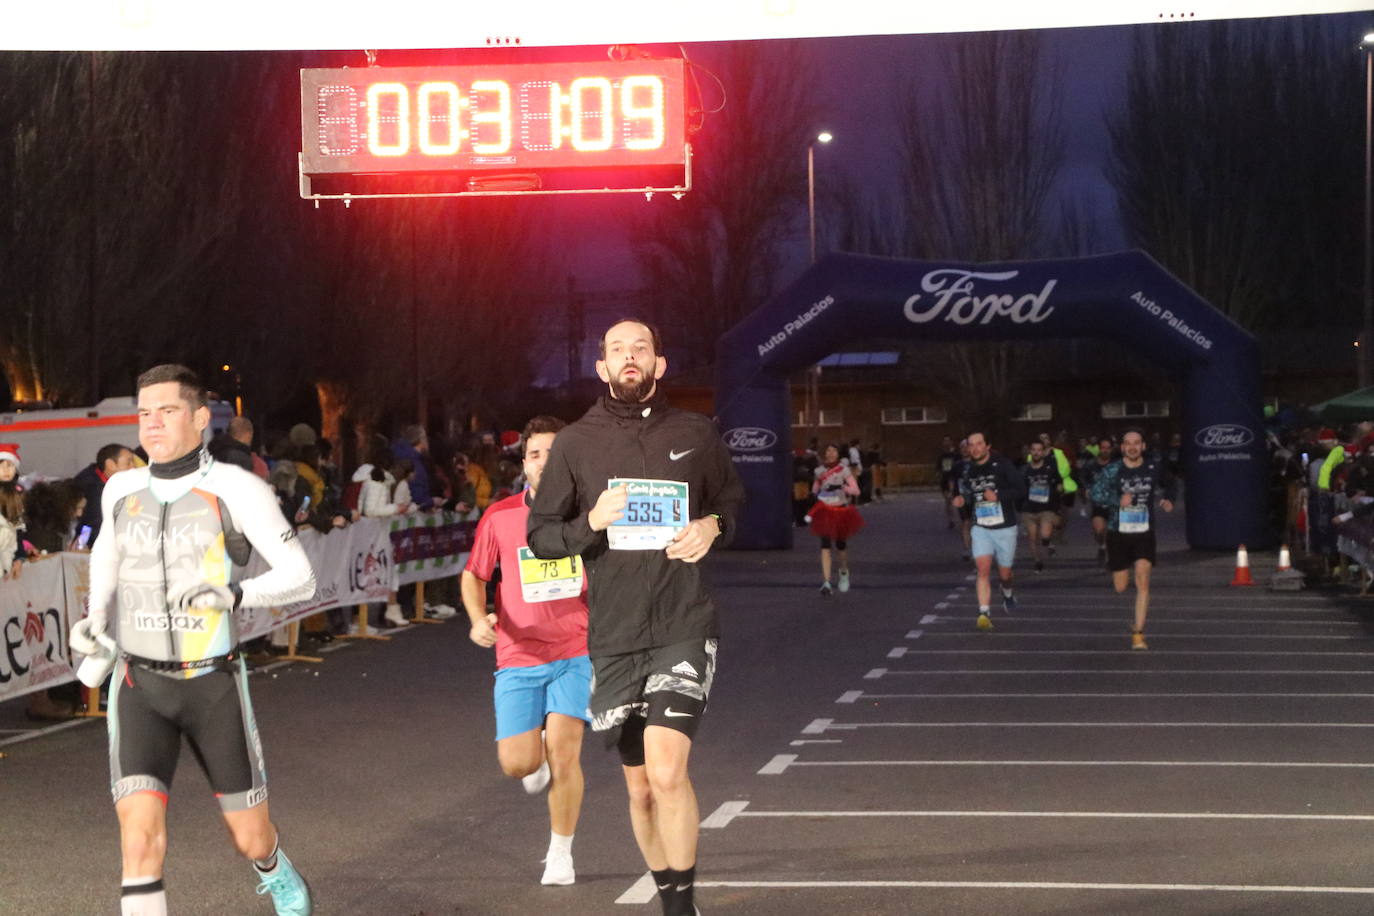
<point>1367,326</point>
<point>813,375</point>
<point>823,137</point>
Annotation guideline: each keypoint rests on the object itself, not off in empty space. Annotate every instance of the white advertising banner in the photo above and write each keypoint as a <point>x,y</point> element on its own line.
<point>362,563</point>
<point>353,565</point>
<point>33,629</point>
<point>430,545</point>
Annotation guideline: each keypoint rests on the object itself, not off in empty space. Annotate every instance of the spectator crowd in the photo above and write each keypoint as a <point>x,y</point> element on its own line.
<point>41,516</point>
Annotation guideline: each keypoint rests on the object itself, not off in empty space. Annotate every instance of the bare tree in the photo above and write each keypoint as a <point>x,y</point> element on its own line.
<point>714,256</point>
<point>979,155</point>
<point>124,180</point>
<point>1236,161</point>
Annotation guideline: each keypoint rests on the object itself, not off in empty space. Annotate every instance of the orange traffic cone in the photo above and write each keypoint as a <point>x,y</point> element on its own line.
<point>1285,562</point>
<point>1242,568</point>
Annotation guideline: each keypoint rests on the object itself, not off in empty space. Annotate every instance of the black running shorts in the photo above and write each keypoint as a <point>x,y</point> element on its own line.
<point>1124,549</point>
<point>149,712</point>
<point>665,686</point>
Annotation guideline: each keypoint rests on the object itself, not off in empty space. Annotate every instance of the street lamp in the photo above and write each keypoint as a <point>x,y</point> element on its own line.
<point>813,375</point>
<point>1367,330</point>
<point>823,137</point>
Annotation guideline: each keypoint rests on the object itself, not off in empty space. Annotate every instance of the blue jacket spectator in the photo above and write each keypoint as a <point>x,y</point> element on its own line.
<point>414,444</point>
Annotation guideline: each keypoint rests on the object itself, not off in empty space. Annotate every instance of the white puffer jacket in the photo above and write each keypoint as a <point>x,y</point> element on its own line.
<point>374,498</point>
<point>9,545</point>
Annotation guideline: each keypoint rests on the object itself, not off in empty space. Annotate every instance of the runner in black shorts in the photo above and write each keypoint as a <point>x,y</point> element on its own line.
<point>964,509</point>
<point>947,472</point>
<point>1106,454</point>
<point>1129,486</point>
<point>169,562</point>
<point>652,625</point>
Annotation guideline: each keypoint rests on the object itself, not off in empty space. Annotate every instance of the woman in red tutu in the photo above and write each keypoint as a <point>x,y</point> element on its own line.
<point>832,517</point>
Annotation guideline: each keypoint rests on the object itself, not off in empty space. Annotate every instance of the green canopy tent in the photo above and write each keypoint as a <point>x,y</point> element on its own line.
<point>1351,407</point>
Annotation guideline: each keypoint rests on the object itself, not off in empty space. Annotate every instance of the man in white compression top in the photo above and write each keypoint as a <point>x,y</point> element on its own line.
<point>166,569</point>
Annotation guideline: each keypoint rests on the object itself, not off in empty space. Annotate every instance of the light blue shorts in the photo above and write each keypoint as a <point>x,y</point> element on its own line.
<point>1000,543</point>
<point>525,695</point>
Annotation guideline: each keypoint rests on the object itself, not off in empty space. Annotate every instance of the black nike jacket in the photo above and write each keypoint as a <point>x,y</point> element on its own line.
<point>638,599</point>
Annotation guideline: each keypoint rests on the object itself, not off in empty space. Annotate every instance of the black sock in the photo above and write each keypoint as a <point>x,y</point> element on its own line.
<point>667,889</point>
<point>683,881</point>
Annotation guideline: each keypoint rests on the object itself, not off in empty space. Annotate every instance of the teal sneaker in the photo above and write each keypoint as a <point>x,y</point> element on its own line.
<point>290,893</point>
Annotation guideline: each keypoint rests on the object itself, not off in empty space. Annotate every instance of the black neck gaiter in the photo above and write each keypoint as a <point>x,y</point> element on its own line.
<point>178,467</point>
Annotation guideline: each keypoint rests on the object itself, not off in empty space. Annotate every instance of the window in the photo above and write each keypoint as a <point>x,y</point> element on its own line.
<point>1035,412</point>
<point>831,417</point>
<point>860,359</point>
<point>1126,410</point>
<point>906,416</point>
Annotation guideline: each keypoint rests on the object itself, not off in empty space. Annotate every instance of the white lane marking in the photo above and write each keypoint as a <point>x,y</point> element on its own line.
<point>1054,885</point>
<point>875,674</point>
<point>30,734</point>
<point>1055,634</point>
<point>781,762</point>
<point>1170,652</point>
<point>971,577</point>
<point>984,672</point>
<point>952,596</point>
<point>800,741</point>
<point>898,652</point>
<point>830,724</point>
<point>1210,603</point>
<point>1150,694</point>
<point>940,607</point>
<point>914,634</point>
<point>1261,764</point>
<point>850,696</point>
<point>1092,815</point>
<point>1116,618</point>
<point>642,891</point>
<point>723,815</point>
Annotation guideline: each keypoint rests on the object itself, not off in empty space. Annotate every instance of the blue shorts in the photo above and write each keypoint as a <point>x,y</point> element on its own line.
<point>525,695</point>
<point>997,542</point>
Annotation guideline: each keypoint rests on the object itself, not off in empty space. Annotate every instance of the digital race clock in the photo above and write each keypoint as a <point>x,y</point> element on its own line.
<point>542,127</point>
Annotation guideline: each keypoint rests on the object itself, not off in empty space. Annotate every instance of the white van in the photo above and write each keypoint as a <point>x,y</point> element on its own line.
<point>59,443</point>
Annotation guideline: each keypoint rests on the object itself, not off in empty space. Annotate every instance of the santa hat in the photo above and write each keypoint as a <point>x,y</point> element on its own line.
<point>510,438</point>
<point>9,451</point>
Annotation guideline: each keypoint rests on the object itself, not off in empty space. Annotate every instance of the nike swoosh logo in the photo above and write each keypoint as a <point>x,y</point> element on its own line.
<point>675,456</point>
<point>683,887</point>
<point>664,887</point>
<point>669,712</point>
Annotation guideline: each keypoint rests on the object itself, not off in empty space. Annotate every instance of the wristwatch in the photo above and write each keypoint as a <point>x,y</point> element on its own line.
<point>720,522</point>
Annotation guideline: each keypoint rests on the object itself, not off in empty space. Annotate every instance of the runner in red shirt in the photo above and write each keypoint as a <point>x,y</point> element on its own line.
<point>543,675</point>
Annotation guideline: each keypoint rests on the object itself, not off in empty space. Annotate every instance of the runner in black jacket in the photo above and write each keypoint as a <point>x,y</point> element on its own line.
<point>652,626</point>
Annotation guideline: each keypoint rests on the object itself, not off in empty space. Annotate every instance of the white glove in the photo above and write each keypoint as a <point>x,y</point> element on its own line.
<point>83,637</point>
<point>203,595</point>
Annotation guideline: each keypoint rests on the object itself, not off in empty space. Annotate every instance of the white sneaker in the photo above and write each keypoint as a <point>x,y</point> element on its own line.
<point>441,611</point>
<point>844,580</point>
<point>394,616</point>
<point>558,868</point>
<point>537,782</point>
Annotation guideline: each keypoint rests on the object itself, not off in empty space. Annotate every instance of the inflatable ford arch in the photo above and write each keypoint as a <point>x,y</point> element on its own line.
<point>1124,297</point>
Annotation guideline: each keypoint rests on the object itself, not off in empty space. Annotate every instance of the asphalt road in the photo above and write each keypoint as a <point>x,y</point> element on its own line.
<point>865,753</point>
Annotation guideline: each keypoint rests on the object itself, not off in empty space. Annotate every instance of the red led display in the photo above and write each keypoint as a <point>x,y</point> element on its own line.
<point>507,118</point>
